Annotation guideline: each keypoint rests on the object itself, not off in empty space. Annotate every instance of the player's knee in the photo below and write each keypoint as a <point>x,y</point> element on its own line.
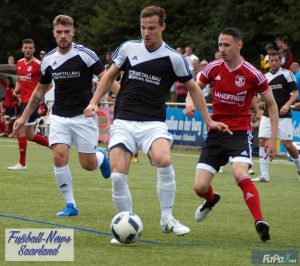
<point>59,159</point>
<point>288,145</point>
<point>162,161</point>
<point>200,189</point>
<point>239,173</point>
<point>89,166</point>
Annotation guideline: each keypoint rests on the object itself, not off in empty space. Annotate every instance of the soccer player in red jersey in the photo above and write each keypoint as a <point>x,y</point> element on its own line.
<point>28,74</point>
<point>9,104</point>
<point>234,83</point>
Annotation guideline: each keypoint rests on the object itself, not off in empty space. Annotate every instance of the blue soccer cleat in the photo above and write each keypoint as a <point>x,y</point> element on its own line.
<point>105,166</point>
<point>70,210</point>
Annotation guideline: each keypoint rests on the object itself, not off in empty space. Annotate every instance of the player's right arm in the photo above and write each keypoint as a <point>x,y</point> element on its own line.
<point>33,103</point>
<point>17,88</point>
<point>189,104</point>
<point>105,84</point>
<point>197,100</point>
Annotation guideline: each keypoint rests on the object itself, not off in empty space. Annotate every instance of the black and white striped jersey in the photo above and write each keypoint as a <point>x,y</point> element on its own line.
<point>72,74</point>
<point>147,79</point>
<point>282,83</point>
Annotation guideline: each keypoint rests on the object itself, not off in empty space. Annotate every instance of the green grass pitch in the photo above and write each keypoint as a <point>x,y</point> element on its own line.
<point>30,199</point>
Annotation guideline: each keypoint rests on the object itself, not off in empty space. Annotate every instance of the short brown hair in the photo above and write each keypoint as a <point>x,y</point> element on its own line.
<point>63,20</point>
<point>234,32</point>
<point>27,40</point>
<point>274,53</point>
<point>150,11</point>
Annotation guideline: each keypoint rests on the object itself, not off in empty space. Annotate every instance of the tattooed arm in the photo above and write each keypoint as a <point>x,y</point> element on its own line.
<point>35,99</point>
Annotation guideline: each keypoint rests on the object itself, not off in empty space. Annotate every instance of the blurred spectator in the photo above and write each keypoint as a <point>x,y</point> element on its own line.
<point>9,104</point>
<point>108,61</point>
<point>181,92</point>
<point>279,43</point>
<point>287,56</point>
<point>196,68</point>
<point>207,89</point>
<point>264,59</point>
<point>11,60</point>
<point>42,54</point>
<point>218,55</point>
<point>296,70</point>
<point>179,49</point>
<point>173,93</point>
<point>188,53</point>
<point>2,119</point>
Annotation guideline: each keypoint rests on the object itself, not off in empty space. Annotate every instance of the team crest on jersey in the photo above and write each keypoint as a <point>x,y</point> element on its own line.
<point>29,68</point>
<point>240,81</point>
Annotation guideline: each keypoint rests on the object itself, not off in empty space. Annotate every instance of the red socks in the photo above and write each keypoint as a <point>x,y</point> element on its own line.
<point>22,149</point>
<point>39,139</point>
<point>208,195</point>
<point>251,198</point>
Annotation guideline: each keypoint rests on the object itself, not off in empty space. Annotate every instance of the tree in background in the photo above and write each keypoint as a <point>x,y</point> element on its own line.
<point>103,25</point>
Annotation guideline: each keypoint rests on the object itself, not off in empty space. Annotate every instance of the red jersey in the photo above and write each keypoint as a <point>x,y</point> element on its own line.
<point>29,75</point>
<point>232,92</point>
<point>10,101</point>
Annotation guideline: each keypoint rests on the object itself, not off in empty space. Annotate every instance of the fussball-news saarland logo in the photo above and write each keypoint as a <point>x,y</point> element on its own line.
<point>39,244</point>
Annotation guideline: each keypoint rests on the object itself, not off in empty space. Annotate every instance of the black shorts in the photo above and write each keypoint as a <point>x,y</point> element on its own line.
<point>34,116</point>
<point>220,148</point>
<point>10,111</point>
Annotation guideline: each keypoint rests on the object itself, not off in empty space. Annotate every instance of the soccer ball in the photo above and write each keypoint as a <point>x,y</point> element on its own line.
<point>126,227</point>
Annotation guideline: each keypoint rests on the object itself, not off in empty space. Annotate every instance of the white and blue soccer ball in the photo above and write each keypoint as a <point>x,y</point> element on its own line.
<point>126,227</point>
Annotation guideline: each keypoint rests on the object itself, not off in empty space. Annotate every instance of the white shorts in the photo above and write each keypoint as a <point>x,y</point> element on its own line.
<point>79,130</point>
<point>285,128</point>
<point>136,135</point>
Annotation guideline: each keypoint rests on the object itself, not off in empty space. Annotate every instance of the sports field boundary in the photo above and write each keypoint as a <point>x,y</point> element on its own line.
<point>91,231</point>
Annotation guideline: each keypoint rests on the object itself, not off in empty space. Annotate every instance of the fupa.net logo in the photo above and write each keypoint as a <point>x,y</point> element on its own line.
<point>278,259</point>
<point>275,257</point>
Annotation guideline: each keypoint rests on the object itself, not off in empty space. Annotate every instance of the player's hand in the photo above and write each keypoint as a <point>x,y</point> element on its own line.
<point>270,148</point>
<point>284,110</point>
<point>189,110</point>
<point>18,124</point>
<point>220,127</point>
<point>90,110</point>
<point>16,93</point>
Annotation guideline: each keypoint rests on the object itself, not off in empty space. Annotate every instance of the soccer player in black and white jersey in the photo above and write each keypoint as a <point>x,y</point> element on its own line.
<point>150,67</point>
<point>71,67</point>
<point>284,87</point>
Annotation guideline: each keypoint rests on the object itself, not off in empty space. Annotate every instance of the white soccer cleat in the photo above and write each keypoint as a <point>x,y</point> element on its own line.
<point>251,171</point>
<point>261,178</point>
<point>170,224</point>
<point>205,208</point>
<point>17,167</point>
<point>221,170</point>
<point>115,242</point>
